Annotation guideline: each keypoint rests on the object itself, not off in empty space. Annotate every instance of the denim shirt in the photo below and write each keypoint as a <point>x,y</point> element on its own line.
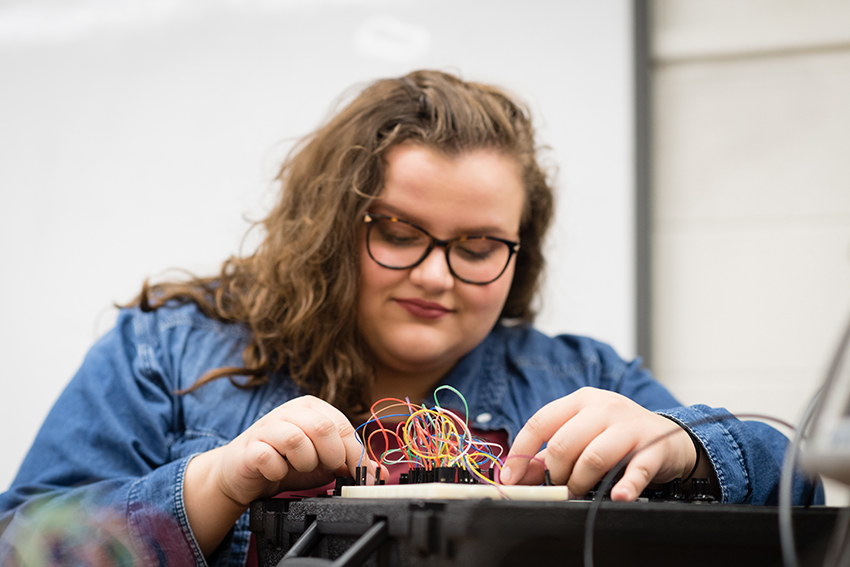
<point>118,440</point>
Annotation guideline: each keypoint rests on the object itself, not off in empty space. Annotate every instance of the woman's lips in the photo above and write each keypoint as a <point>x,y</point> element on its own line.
<point>423,309</point>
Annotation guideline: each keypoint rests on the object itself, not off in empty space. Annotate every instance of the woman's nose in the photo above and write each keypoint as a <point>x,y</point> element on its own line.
<point>433,272</point>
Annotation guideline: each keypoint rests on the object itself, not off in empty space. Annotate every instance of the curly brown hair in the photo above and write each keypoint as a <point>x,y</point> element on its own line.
<point>297,293</point>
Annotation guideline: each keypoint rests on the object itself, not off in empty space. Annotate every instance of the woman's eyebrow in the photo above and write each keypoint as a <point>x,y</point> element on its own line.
<point>384,208</point>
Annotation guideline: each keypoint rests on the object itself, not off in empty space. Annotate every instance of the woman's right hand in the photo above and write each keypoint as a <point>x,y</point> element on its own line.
<point>301,444</point>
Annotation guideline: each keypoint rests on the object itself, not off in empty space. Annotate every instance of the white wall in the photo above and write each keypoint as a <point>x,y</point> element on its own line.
<point>136,135</point>
<point>752,199</point>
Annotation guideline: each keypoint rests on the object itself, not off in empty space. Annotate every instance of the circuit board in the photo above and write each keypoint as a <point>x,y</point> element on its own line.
<point>449,491</point>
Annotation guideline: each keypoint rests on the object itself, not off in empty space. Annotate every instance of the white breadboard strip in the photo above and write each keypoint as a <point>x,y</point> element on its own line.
<point>451,491</point>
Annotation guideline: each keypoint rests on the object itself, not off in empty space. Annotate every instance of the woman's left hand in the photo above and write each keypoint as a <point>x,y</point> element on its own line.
<point>587,434</point>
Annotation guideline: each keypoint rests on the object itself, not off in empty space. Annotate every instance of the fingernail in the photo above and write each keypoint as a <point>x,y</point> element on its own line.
<point>505,474</point>
<point>621,494</point>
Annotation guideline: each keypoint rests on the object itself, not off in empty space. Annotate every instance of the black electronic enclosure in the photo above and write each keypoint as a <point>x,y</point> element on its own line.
<point>501,533</point>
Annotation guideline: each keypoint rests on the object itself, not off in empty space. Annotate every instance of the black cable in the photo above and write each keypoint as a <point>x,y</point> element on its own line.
<point>786,478</point>
<point>786,528</point>
<point>608,479</point>
<point>697,447</point>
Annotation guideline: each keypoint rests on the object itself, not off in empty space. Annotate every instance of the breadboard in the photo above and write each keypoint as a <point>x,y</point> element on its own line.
<point>451,491</point>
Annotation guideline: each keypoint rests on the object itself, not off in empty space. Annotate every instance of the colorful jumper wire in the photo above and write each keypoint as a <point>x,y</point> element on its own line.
<point>430,438</point>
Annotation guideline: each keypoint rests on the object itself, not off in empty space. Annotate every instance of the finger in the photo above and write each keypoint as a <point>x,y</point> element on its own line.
<point>324,434</point>
<point>569,442</point>
<point>267,461</point>
<point>655,460</point>
<point>353,449</point>
<point>600,456</point>
<point>642,469</point>
<point>355,452</point>
<point>292,443</point>
<point>535,473</point>
<point>537,431</point>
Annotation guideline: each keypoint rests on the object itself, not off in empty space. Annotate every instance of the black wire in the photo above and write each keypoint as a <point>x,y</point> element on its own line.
<point>786,528</point>
<point>786,478</point>
<point>608,479</point>
<point>840,547</point>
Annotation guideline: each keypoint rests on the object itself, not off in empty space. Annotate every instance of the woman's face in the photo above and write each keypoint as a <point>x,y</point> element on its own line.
<point>423,319</point>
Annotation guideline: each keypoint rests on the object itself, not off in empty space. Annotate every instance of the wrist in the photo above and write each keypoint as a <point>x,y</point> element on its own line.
<point>698,452</point>
<point>691,448</point>
<point>211,512</point>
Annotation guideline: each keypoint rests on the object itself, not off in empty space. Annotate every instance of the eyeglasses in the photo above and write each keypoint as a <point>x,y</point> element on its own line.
<point>400,245</point>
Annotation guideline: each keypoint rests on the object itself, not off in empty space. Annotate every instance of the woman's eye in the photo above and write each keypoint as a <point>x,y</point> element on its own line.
<point>399,235</point>
<point>398,239</point>
<point>474,250</point>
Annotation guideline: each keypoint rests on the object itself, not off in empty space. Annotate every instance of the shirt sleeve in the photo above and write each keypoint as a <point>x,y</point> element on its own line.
<point>99,480</point>
<point>747,456</point>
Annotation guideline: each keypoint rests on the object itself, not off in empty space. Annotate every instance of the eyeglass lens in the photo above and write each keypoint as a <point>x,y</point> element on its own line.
<point>396,244</point>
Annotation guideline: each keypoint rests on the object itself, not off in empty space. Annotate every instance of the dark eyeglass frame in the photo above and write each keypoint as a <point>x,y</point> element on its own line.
<point>370,218</point>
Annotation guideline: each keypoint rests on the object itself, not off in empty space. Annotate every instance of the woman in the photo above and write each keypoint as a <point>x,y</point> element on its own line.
<point>404,254</point>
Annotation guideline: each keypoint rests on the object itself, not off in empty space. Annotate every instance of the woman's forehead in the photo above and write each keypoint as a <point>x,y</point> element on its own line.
<point>476,189</point>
